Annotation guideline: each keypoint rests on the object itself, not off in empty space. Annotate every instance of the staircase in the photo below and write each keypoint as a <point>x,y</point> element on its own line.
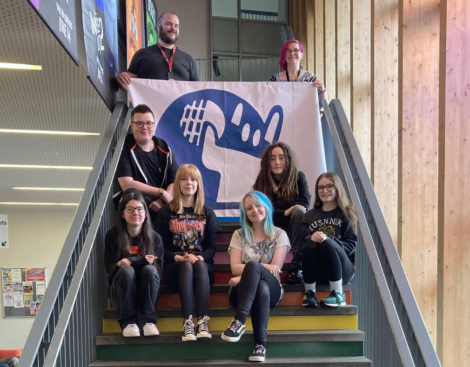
<point>296,335</point>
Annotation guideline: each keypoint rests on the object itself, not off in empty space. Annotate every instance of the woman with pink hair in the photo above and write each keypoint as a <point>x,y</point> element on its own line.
<point>290,59</point>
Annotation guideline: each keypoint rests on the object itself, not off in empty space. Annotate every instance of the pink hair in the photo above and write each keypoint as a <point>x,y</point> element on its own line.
<point>282,56</point>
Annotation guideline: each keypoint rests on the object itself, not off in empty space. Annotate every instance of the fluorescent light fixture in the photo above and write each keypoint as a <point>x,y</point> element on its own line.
<point>19,203</point>
<point>46,132</point>
<point>48,188</point>
<point>7,65</point>
<point>44,167</point>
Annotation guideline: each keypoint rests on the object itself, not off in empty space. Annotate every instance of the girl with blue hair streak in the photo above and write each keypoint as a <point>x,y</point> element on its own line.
<point>257,253</point>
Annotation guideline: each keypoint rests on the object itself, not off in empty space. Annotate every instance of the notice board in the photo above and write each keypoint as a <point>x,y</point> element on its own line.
<point>23,290</point>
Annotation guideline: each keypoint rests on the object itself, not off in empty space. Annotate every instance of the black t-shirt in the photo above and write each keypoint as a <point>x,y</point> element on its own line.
<point>188,232</point>
<point>149,63</point>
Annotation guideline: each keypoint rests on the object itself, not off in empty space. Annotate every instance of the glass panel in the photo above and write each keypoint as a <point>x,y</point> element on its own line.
<point>261,38</point>
<point>226,68</point>
<point>225,35</point>
<point>267,10</point>
<point>224,8</point>
<point>259,69</point>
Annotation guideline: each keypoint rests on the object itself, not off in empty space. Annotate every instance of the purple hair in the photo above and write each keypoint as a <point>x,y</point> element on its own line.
<point>282,56</point>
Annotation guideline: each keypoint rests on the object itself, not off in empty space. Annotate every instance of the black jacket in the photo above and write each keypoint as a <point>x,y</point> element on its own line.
<point>138,261</point>
<point>131,156</point>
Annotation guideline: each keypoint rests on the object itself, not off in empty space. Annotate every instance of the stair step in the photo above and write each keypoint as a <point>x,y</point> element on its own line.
<point>273,337</point>
<point>202,349</point>
<point>299,362</point>
<point>112,313</point>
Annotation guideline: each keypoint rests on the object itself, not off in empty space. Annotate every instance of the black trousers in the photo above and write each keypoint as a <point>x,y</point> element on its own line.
<point>326,261</point>
<point>257,292</point>
<point>134,294</point>
<point>192,280</point>
<point>293,227</point>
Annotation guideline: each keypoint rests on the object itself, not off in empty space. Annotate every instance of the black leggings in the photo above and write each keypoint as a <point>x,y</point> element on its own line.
<point>258,291</point>
<point>191,280</point>
<point>326,261</point>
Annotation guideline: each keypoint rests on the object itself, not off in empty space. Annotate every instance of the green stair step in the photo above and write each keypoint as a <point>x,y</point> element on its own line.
<point>270,362</point>
<point>202,349</point>
<point>112,313</point>
<point>247,337</point>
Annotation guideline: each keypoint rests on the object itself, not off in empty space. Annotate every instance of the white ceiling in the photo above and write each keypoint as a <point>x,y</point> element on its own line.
<point>57,98</point>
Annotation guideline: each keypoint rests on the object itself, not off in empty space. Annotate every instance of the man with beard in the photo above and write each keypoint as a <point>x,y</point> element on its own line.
<point>163,60</point>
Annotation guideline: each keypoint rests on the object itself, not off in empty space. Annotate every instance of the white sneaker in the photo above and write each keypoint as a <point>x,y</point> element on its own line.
<point>150,329</point>
<point>131,331</point>
<point>188,330</point>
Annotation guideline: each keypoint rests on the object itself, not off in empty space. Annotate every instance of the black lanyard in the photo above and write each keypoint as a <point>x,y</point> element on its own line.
<point>298,74</point>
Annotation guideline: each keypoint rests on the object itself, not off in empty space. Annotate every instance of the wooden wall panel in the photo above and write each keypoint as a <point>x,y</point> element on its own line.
<point>385,109</point>
<point>310,42</point>
<point>361,80</point>
<point>456,189</point>
<point>330,48</point>
<point>343,55</point>
<point>420,134</point>
<point>319,40</point>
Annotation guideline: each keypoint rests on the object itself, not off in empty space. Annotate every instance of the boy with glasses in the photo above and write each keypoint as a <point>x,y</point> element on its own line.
<point>147,163</point>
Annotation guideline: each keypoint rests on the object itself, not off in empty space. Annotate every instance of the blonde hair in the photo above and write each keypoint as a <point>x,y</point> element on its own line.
<point>176,205</point>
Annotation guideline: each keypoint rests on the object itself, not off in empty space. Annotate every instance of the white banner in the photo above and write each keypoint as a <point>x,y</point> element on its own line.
<point>224,127</point>
<point>4,231</point>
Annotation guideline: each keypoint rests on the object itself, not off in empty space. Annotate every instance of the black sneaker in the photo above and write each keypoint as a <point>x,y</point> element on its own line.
<point>188,330</point>
<point>234,332</point>
<point>295,277</point>
<point>259,354</point>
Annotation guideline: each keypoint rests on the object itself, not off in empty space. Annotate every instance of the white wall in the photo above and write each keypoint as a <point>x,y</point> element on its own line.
<point>36,238</point>
<point>194,25</point>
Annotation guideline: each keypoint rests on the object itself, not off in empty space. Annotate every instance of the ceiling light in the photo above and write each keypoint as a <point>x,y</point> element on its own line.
<point>43,167</point>
<point>48,188</point>
<point>46,132</point>
<point>6,65</point>
<point>19,203</point>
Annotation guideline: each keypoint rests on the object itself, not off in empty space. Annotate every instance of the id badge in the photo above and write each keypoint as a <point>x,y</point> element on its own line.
<point>170,75</point>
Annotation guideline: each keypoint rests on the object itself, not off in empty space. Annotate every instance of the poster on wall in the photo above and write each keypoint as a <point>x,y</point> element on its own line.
<point>23,291</point>
<point>151,18</point>
<point>101,45</point>
<point>4,243</point>
<point>134,31</point>
<point>59,16</point>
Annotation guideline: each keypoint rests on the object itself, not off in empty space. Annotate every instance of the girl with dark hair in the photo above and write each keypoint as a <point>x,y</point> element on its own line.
<point>292,53</point>
<point>257,253</point>
<point>188,228</point>
<point>330,240</point>
<point>133,260</point>
<point>287,187</point>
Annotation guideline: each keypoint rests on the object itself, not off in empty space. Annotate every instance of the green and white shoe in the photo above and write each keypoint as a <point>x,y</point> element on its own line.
<point>310,300</point>
<point>335,299</point>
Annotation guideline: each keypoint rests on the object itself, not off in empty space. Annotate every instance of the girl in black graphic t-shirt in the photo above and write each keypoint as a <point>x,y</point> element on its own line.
<point>188,228</point>
<point>330,238</point>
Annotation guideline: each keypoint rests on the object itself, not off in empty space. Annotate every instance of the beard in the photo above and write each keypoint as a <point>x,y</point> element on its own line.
<point>166,38</point>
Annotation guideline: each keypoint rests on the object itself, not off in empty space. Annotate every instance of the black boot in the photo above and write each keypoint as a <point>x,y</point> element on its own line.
<point>295,276</point>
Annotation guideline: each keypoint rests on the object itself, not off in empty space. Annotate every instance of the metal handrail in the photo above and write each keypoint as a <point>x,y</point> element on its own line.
<point>428,353</point>
<point>387,299</point>
<point>44,325</point>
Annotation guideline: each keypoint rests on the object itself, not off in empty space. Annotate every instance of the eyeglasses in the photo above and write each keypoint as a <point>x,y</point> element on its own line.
<point>295,51</point>
<point>142,123</point>
<point>328,188</point>
<point>130,209</point>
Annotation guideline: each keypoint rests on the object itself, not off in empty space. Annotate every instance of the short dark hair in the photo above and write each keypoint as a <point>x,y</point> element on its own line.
<point>142,108</point>
<point>160,18</point>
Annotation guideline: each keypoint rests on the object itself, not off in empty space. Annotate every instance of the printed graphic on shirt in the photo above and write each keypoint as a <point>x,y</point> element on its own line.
<point>188,232</point>
<point>261,251</point>
<point>329,226</point>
